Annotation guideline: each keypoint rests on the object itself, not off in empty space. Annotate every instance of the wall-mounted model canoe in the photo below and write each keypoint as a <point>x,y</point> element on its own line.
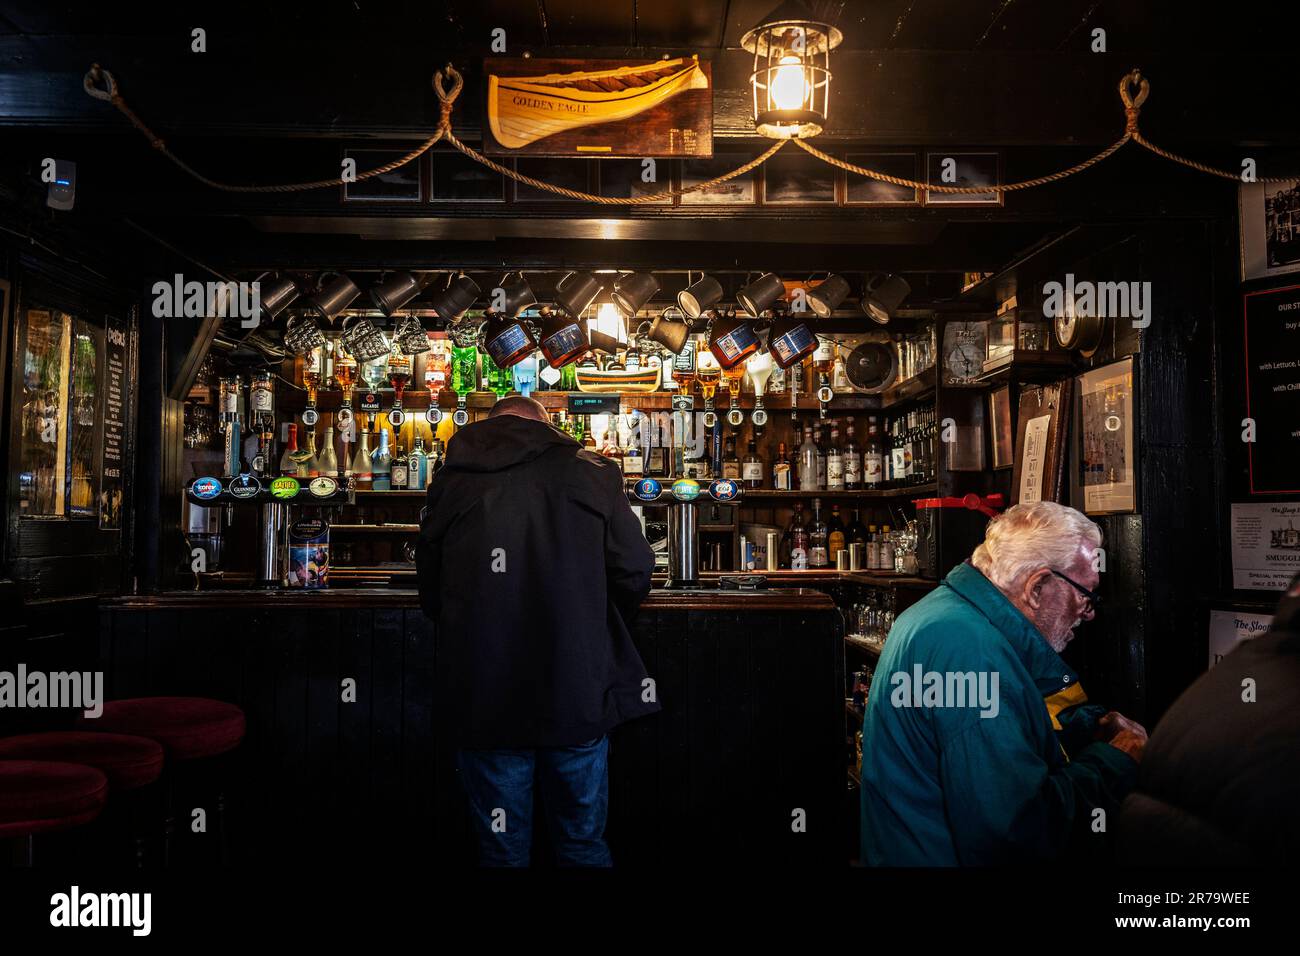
<point>523,109</point>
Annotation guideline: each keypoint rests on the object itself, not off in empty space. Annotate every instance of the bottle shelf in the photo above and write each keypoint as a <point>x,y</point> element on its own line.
<point>906,492</point>
<point>417,400</point>
<point>374,529</point>
<point>370,494</point>
<point>917,387</point>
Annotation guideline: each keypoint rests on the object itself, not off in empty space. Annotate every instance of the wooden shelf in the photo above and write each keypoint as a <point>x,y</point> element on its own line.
<point>908,492</point>
<point>914,389</point>
<point>417,400</point>
<point>869,646</point>
<point>369,529</point>
<point>371,494</point>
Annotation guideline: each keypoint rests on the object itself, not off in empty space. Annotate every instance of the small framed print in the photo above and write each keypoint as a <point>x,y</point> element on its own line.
<point>1105,473</point>
<point>1270,229</point>
<point>950,168</point>
<point>737,191</point>
<point>457,178</point>
<point>633,178</point>
<point>1001,434</point>
<point>569,173</point>
<point>865,191</point>
<point>397,185</point>
<point>797,180</point>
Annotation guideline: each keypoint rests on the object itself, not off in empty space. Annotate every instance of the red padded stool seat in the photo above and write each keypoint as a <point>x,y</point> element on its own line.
<point>188,728</point>
<point>41,796</point>
<point>128,762</point>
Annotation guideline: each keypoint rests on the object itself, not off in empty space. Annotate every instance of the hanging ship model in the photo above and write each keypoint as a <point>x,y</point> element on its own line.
<point>523,109</point>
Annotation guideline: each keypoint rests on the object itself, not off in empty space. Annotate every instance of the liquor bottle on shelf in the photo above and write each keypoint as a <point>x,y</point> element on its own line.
<point>909,471</point>
<point>288,463</point>
<point>730,463</point>
<point>313,459</point>
<point>329,463</point>
<point>795,544</point>
<point>751,469</point>
<point>684,368</point>
<point>782,470</point>
<point>437,454</point>
<point>886,549</point>
<point>852,461</point>
<point>807,462</point>
<point>817,538</point>
<point>381,465</point>
<point>345,373</point>
<point>361,462</point>
<point>398,474</point>
<point>857,533</point>
<point>588,437</point>
<point>399,376</point>
<point>313,374</point>
<point>834,461</point>
<point>821,457</point>
<point>416,475</point>
<point>836,537</point>
<point>633,461</point>
<point>898,456</point>
<point>873,548</point>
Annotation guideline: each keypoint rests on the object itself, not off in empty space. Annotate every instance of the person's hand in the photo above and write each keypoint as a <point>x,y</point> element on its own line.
<point>1123,734</point>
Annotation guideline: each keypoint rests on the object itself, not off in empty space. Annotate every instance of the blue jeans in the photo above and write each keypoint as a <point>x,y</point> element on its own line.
<point>574,784</point>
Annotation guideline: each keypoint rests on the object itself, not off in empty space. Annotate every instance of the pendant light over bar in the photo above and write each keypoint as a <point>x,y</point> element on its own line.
<point>791,81</point>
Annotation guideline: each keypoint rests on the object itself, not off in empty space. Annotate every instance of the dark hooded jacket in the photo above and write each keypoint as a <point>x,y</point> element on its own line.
<point>532,563</point>
<point>1220,781</point>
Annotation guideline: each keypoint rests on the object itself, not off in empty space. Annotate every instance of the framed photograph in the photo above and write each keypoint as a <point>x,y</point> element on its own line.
<point>457,178</point>
<point>1001,438</point>
<point>569,107</point>
<point>397,185</point>
<point>865,191</point>
<point>1270,229</point>
<point>1042,424</point>
<point>963,169</point>
<point>734,192</point>
<point>569,173</point>
<point>790,179</point>
<point>627,178</point>
<point>1105,472</point>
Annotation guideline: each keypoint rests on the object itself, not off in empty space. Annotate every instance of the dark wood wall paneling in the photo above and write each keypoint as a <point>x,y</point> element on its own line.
<point>752,729</point>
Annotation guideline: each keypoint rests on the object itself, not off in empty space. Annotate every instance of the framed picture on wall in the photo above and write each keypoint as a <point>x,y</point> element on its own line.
<point>397,185</point>
<point>1001,438</point>
<point>737,191</point>
<point>796,180</point>
<point>865,191</point>
<point>1042,424</point>
<point>633,178</point>
<point>1104,480</point>
<point>1270,228</point>
<point>457,178</point>
<point>962,169</point>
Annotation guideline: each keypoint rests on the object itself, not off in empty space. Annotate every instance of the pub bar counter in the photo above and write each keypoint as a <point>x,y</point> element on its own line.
<point>224,407</point>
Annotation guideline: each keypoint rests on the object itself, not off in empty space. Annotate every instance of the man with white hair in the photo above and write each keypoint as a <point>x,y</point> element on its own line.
<point>978,745</point>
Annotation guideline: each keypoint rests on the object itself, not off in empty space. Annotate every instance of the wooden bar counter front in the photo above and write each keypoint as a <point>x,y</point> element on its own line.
<point>344,756</point>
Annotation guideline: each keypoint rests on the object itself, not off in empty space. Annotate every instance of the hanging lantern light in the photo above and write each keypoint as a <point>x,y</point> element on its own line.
<point>791,81</point>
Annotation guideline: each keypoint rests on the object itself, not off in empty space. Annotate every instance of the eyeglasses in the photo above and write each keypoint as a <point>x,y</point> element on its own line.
<point>1092,597</point>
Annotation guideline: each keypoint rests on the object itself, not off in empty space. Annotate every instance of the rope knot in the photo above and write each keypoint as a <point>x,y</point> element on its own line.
<point>96,75</point>
<point>1133,103</point>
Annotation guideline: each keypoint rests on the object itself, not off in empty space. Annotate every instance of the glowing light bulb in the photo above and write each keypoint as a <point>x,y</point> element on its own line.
<point>789,88</point>
<point>610,321</point>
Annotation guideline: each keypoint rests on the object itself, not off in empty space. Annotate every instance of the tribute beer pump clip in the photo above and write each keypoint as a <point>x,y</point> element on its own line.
<point>682,498</point>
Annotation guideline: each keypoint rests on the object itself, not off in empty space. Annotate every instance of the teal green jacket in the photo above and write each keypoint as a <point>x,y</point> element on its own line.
<point>977,741</point>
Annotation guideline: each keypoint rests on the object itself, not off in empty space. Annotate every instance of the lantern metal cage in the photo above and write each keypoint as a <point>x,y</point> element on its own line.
<point>791,80</point>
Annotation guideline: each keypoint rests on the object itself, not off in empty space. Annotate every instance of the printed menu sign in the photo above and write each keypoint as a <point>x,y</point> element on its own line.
<point>1265,545</point>
<point>1272,320</point>
<point>1230,628</point>
<point>114,418</point>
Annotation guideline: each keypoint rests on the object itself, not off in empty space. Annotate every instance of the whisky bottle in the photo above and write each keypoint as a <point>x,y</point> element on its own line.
<point>730,463</point>
<point>399,475</point>
<point>782,471</point>
<point>836,537</point>
<point>751,470</point>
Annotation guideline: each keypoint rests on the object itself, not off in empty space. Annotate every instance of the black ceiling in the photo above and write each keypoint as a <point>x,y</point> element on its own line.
<point>331,27</point>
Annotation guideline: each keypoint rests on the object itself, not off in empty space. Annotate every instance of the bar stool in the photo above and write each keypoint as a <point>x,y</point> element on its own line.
<point>129,763</point>
<point>45,796</point>
<point>191,730</point>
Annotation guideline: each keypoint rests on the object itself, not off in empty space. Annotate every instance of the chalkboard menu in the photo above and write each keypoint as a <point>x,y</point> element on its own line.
<point>1272,319</point>
<point>114,419</point>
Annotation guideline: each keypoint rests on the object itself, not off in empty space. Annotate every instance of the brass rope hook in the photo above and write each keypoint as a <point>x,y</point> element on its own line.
<point>1133,104</point>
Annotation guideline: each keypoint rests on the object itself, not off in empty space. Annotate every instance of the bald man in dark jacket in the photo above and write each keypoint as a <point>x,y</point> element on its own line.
<point>1220,782</point>
<point>532,562</point>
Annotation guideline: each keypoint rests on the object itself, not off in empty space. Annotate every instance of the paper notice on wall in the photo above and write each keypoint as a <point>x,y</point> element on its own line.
<point>1265,545</point>
<point>1230,628</point>
<point>1034,457</point>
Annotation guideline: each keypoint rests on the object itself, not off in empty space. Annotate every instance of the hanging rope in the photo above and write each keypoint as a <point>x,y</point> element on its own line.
<point>1133,81</point>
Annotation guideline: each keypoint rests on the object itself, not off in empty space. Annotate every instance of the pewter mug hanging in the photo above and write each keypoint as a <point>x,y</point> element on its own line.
<point>302,334</point>
<point>411,336</point>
